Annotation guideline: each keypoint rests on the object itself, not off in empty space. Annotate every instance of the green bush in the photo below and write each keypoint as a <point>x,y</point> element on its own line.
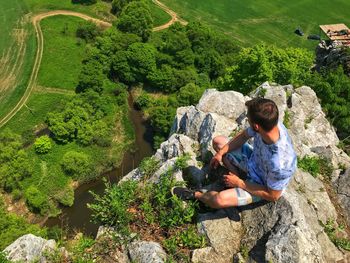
<point>331,230</point>
<point>77,165</point>
<point>150,205</point>
<point>36,200</point>
<point>43,144</point>
<point>149,166</point>
<point>111,209</point>
<point>316,166</point>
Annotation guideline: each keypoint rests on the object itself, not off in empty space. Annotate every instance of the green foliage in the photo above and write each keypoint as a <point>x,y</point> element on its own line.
<point>36,200</point>
<point>43,144</point>
<point>14,162</point>
<point>286,119</point>
<point>88,31</point>
<point>79,250</point>
<point>13,226</point>
<point>332,230</point>
<point>150,205</point>
<point>149,166</point>
<point>261,63</point>
<point>136,18</point>
<point>333,88</point>
<point>91,77</point>
<point>118,5</point>
<point>189,94</point>
<point>85,119</point>
<point>78,166</point>
<point>111,209</point>
<point>316,166</point>
<point>134,64</point>
<point>188,238</point>
<point>3,258</point>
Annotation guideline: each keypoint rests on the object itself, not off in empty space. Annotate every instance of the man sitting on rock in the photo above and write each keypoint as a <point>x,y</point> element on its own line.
<point>269,165</point>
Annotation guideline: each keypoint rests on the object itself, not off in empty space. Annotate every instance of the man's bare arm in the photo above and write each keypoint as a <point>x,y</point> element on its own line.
<point>260,190</point>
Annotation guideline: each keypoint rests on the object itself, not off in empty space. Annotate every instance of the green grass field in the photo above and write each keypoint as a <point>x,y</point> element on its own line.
<point>160,17</point>
<point>17,52</point>
<point>35,111</point>
<point>249,22</point>
<point>63,53</point>
<point>100,9</point>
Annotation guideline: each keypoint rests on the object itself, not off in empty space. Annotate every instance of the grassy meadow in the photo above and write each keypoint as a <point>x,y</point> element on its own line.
<point>252,21</point>
<point>17,52</point>
<point>63,52</point>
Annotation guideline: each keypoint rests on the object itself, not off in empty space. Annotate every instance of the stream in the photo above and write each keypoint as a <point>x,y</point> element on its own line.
<point>77,217</point>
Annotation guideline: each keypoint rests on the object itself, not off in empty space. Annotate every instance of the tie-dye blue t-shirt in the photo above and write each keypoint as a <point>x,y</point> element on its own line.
<point>272,165</point>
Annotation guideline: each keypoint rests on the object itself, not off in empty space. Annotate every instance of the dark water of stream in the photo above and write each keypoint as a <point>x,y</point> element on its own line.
<point>77,217</point>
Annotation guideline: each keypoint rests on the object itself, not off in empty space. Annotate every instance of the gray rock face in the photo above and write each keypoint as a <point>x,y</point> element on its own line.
<point>146,252</point>
<point>309,127</point>
<point>343,192</point>
<point>30,248</point>
<point>228,103</point>
<point>287,231</point>
<point>224,235</point>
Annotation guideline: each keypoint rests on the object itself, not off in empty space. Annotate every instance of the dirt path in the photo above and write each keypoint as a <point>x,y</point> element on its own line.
<point>40,40</point>
<point>174,17</point>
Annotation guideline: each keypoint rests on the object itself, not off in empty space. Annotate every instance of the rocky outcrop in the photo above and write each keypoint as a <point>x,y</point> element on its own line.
<point>288,230</point>
<point>29,248</point>
<point>332,55</point>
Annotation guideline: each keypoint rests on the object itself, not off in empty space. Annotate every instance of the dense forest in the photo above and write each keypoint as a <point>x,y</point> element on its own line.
<point>164,70</point>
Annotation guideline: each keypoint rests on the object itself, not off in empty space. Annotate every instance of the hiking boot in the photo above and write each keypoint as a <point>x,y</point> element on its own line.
<point>183,193</point>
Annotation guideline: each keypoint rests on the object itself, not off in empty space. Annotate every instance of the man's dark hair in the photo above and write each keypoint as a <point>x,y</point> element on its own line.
<point>263,112</point>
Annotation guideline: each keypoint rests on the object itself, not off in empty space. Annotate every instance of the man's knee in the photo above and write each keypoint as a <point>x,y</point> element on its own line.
<point>220,201</point>
<point>219,142</point>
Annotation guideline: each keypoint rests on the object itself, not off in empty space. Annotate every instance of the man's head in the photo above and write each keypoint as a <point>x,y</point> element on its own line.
<point>262,113</point>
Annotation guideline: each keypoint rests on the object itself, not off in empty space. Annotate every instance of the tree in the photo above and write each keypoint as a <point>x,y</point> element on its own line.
<point>136,18</point>
<point>118,5</point>
<point>36,200</point>
<point>267,63</point>
<point>43,144</point>
<point>91,77</point>
<point>84,2</point>
<point>88,31</point>
<point>77,165</point>
<point>14,162</point>
<point>189,95</point>
<point>135,64</point>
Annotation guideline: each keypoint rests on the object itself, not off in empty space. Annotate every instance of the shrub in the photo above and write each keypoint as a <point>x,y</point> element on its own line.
<point>149,166</point>
<point>77,165</point>
<point>112,208</point>
<point>43,144</point>
<point>316,166</point>
<point>36,200</point>
<point>331,230</point>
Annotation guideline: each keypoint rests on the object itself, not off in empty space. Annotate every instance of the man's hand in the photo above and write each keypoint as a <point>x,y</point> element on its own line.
<point>215,161</point>
<point>231,180</point>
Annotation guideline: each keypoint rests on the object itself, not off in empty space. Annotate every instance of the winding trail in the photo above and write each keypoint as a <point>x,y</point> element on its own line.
<point>40,42</point>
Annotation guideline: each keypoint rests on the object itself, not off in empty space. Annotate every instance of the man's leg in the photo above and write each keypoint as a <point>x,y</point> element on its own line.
<point>223,199</point>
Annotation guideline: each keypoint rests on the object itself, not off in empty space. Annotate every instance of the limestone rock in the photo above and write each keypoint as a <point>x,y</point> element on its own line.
<point>223,234</point>
<point>212,126</point>
<point>309,127</point>
<point>276,93</point>
<point>175,146</point>
<point>30,248</point>
<point>135,175</point>
<point>164,168</point>
<point>230,104</point>
<point>287,231</point>
<point>146,252</point>
<point>188,121</point>
<point>343,192</point>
